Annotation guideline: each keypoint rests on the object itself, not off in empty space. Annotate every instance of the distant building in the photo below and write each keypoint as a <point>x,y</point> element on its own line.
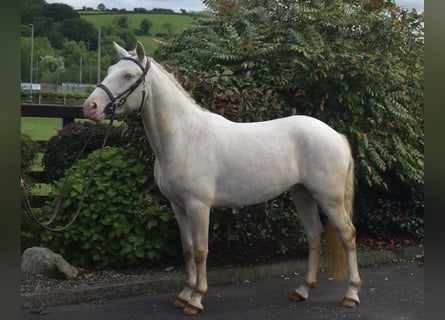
<point>27,86</point>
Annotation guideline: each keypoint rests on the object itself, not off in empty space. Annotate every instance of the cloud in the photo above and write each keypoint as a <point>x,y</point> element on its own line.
<point>176,5</point>
<point>409,4</point>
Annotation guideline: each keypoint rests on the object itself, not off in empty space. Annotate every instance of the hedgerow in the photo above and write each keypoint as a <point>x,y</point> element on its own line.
<point>64,148</point>
<point>29,151</point>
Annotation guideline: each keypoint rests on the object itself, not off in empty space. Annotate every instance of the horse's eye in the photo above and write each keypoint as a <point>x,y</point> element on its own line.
<point>129,76</point>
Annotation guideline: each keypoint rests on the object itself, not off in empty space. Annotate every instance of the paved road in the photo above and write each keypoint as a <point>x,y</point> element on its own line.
<point>389,292</point>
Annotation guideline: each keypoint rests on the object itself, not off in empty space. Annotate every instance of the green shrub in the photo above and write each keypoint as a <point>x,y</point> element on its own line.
<point>258,60</point>
<point>29,155</point>
<point>273,224</point>
<point>355,66</point>
<point>387,215</point>
<point>29,150</point>
<point>68,98</point>
<point>119,224</point>
<point>63,148</point>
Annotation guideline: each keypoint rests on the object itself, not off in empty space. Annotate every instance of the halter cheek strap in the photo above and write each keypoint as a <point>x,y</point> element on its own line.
<point>120,99</point>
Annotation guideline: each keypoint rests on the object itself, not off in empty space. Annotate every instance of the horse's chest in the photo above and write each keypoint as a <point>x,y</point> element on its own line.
<point>166,184</point>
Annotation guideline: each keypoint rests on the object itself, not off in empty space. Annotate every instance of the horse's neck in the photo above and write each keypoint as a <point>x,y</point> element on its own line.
<point>170,116</point>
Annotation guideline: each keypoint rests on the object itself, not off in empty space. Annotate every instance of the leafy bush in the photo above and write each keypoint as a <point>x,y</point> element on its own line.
<point>68,98</point>
<point>29,150</point>
<point>273,224</point>
<point>384,216</point>
<point>29,155</point>
<point>63,148</point>
<point>356,66</point>
<point>119,224</point>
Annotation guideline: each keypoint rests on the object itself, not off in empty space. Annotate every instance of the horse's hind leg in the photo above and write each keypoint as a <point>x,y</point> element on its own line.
<point>187,249</point>
<point>341,222</point>
<point>308,214</point>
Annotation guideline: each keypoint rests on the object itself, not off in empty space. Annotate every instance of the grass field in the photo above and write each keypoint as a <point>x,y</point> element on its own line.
<point>45,128</point>
<point>151,43</point>
<point>40,128</point>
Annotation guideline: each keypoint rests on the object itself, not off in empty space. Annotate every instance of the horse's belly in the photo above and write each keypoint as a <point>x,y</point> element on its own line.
<point>248,188</point>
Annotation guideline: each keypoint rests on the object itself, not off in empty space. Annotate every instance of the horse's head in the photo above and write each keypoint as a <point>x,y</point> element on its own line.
<point>123,89</point>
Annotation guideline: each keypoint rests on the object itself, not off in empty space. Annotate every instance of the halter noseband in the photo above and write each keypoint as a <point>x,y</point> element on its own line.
<point>120,99</point>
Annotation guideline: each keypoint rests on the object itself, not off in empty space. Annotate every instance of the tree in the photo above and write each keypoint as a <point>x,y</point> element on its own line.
<point>53,64</point>
<point>78,29</point>
<point>31,10</point>
<point>169,27</point>
<point>56,21</point>
<point>122,22</point>
<point>360,71</point>
<point>60,12</point>
<point>71,53</point>
<point>140,10</point>
<point>101,7</point>
<point>120,29</point>
<point>42,47</point>
<point>144,27</point>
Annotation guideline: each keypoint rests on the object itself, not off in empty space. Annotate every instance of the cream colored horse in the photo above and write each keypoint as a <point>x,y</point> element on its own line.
<point>204,160</point>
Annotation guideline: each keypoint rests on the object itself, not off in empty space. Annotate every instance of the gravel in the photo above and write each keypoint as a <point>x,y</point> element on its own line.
<point>42,283</point>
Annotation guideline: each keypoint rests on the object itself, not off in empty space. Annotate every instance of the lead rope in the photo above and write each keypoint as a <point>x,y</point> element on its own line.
<point>46,225</point>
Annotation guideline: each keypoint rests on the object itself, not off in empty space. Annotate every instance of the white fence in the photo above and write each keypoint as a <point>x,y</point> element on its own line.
<point>27,86</point>
<point>64,87</point>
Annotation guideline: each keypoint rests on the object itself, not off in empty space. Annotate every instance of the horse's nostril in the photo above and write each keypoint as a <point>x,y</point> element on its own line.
<point>93,105</point>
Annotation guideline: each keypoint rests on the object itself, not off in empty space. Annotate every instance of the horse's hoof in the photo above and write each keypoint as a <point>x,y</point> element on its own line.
<point>190,310</point>
<point>349,303</point>
<point>179,303</point>
<point>296,297</point>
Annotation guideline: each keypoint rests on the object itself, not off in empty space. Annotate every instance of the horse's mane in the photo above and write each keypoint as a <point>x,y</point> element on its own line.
<point>174,81</point>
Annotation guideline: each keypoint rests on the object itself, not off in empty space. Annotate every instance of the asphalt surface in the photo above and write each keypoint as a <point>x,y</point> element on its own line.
<point>392,291</point>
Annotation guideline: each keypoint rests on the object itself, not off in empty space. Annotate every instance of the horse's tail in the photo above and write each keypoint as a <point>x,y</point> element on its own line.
<point>336,259</point>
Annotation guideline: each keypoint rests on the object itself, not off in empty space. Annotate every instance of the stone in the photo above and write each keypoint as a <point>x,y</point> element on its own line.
<point>39,260</point>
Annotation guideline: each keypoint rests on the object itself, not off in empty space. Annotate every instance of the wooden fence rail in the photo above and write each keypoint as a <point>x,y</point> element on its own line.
<point>65,112</point>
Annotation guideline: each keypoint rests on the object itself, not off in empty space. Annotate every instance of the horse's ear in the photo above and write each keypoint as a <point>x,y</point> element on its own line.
<point>140,51</point>
<point>121,52</point>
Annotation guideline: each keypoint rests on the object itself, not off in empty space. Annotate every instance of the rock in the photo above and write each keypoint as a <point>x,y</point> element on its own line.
<point>39,260</point>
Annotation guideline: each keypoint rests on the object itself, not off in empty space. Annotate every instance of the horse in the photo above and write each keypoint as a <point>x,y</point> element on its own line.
<point>204,160</point>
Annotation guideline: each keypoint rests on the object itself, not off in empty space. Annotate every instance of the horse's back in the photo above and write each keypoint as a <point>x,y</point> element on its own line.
<point>301,136</point>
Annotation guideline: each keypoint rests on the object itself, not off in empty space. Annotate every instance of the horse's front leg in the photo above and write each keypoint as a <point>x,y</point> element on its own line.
<point>198,215</point>
<point>187,249</point>
<point>308,214</point>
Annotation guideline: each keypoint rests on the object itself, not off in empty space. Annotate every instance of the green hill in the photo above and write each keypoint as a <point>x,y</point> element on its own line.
<point>160,21</point>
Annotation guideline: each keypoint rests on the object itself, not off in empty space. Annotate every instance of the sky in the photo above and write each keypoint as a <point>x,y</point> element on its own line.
<point>176,5</point>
